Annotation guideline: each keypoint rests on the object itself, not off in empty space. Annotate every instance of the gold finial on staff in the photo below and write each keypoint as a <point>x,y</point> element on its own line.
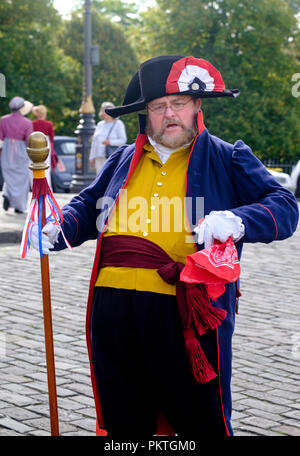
<point>38,150</point>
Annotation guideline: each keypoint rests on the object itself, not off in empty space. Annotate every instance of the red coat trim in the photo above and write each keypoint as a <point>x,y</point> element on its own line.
<point>219,372</point>
<point>75,221</point>
<point>140,142</point>
<point>276,227</point>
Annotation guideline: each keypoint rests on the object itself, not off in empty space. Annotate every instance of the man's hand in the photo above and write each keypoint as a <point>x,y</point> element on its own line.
<point>219,225</point>
<point>49,236</point>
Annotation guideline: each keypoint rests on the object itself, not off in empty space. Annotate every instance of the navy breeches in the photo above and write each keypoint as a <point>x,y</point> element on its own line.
<point>141,367</point>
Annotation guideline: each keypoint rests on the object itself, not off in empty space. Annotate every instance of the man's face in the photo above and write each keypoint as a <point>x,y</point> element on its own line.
<point>171,120</point>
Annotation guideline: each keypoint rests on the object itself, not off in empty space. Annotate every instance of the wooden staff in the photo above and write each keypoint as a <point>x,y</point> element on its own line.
<point>38,151</point>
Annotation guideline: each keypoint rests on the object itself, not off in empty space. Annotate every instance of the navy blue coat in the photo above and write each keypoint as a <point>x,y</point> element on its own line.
<point>227,177</point>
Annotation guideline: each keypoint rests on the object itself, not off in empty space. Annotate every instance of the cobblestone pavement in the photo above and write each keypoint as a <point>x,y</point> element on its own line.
<point>266,344</point>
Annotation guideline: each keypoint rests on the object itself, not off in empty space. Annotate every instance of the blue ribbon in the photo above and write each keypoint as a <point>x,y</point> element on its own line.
<point>40,225</point>
<point>50,217</point>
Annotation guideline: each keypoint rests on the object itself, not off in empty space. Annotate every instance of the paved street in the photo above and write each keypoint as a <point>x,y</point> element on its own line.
<point>266,363</point>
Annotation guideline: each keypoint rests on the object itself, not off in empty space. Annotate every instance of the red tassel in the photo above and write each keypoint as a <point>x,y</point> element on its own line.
<point>201,368</point>
<point>163,426</point>
<point>238,293</point>
<point>40,187</point>
<point>204,315</point>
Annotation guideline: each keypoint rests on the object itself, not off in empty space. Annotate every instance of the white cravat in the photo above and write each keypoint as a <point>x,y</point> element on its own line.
<point>162,151</point>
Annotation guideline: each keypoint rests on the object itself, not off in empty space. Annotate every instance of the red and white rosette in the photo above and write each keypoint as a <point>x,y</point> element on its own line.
<point>194,74</point>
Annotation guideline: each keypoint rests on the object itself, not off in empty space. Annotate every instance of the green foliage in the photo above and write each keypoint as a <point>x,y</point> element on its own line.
<point>33,65</point>
<point>120,11</point>
<point>118,62</point>
<point>255,45</point>
<point>42,59</point>
<point>295,4</point>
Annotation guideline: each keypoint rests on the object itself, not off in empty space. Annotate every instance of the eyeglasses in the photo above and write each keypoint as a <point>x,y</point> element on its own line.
<point>175,106</point>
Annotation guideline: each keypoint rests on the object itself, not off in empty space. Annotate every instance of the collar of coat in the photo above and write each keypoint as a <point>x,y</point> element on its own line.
<point>142,139</point>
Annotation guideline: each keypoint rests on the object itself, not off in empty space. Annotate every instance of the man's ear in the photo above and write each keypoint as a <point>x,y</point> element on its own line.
<point>198,104</point>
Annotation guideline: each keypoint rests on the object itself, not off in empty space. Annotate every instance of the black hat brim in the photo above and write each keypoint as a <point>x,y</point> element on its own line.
<point>138,105</point>
<point>141,104</point>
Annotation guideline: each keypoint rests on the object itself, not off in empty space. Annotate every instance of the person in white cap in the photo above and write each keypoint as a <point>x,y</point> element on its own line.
<point>15,129</point>
<point>110,134</point>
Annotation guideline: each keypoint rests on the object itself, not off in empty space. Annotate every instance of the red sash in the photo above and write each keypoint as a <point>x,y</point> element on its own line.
<point>194,305</point>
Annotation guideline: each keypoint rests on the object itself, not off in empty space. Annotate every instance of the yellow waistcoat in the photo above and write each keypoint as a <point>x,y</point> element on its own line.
<point>152,206</point>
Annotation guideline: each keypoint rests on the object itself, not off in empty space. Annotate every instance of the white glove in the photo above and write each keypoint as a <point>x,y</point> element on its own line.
<point>220,225</point>
<point>50,234</point>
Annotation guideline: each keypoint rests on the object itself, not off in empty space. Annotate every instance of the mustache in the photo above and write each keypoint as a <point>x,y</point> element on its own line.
<point>167,122</point>
<point>187,134</point>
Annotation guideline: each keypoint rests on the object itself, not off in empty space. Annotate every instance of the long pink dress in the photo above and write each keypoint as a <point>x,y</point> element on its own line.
<point>14,132</point>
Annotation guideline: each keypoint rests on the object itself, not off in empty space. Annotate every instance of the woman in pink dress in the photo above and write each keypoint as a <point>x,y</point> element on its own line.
<point>15,129</point>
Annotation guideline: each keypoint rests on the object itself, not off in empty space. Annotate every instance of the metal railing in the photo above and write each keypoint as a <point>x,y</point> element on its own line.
<point>283,167</point>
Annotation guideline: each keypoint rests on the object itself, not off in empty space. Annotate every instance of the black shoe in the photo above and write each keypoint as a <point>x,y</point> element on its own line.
<point>17,211</point>
<point>5,203</point>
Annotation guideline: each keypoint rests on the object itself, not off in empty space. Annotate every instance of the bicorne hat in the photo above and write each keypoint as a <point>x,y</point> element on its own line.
<point>172,75</point>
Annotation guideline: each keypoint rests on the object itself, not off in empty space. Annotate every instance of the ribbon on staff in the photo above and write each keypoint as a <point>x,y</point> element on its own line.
<point>41,193</point>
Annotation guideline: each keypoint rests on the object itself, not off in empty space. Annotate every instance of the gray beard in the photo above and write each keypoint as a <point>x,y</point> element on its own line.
<point>186,136</point>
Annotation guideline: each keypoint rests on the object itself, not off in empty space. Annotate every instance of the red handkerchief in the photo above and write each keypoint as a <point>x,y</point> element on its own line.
<point>214,266</point>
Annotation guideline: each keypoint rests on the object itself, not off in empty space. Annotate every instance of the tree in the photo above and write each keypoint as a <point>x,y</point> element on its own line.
<point>122,12</point>
<point>118,61</point>
<point>295,4</point>
<point>254,45</point>
<point>33,65</point>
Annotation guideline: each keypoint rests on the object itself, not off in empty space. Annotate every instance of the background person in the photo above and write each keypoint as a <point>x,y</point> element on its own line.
<point>46,127</point>
<point>109,134</point>
<point>15,129</point>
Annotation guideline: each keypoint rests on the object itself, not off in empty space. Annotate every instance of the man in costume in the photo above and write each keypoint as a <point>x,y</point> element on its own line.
<point>154,368</point>
<point>14,132</point>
